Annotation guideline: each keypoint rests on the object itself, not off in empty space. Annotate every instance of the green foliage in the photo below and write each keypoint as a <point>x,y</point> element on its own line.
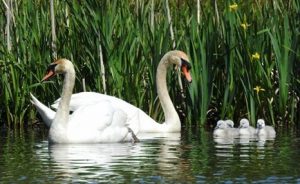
<point>245,59</point>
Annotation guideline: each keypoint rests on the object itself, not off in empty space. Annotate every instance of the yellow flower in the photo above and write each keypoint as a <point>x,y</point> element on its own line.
<point>233,7</point>
<point>255,56</point>
<point>258,89</point>
<point>245,26</point>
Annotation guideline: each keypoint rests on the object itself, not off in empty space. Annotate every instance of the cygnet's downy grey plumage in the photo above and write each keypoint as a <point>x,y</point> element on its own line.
<point>245,130</point>
<point>265,130</point>
<point>230,123</point>
<point>230,126</point>
<point>222,130</point>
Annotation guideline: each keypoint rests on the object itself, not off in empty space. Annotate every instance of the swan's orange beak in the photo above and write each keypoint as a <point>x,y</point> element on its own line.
<point>186,73</point>
<point>50,71</point>
<point>48,75</point>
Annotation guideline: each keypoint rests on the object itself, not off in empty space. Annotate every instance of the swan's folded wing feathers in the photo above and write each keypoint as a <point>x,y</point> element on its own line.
<point>119,118</point>
<point>79,100</point>
<point>95,116</point>
<point>118,130</point>
<point>105,122</point>
<point>82,99</point>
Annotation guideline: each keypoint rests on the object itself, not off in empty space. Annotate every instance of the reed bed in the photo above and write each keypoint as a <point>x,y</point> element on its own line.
<point>244,54</point>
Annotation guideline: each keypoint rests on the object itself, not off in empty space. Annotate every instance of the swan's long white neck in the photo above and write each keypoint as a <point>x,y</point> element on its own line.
<point>62,113</point>
<point>172,120</point>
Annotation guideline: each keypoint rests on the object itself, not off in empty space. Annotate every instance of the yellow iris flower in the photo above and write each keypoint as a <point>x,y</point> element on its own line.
<point>255,56</point>
<point>233,7</point>
<point>245,26</point>
<point>258,89</point>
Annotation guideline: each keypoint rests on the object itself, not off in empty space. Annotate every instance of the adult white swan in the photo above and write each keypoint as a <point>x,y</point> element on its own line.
<point>137,119</point>
<point>92,123</point>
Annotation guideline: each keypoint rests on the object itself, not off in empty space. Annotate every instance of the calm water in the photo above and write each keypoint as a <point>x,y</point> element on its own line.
<point>187,158</point>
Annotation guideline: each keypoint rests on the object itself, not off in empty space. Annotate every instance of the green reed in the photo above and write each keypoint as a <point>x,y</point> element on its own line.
<point>244,57</point>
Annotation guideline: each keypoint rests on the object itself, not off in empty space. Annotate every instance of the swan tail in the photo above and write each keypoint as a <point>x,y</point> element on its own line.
<point>46,113</point>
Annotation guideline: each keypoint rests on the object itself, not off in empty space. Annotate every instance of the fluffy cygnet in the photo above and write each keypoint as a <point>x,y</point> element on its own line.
<point>245,129</point>
<point>224,130</point>
<point>264,130</point>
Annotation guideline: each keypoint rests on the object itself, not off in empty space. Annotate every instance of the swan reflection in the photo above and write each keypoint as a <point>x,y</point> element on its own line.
<point>103,160</point>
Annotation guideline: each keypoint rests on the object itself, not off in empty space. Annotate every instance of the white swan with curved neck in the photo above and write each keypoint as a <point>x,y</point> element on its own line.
<point>138,120</point>
<point>92,123</point>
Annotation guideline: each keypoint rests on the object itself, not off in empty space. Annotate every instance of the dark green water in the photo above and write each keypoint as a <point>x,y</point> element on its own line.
<point>187,158</point>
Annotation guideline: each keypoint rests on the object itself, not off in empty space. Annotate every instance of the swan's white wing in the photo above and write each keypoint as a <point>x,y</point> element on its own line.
<point>137,119</point>
<point>99,122</point>
<point>79,100</point>
<point>82,99</point>
<point>95,116</point>
<point>134,114</point>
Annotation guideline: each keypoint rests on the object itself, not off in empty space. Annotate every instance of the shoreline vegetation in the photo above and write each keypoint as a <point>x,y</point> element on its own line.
<point>245,56</point>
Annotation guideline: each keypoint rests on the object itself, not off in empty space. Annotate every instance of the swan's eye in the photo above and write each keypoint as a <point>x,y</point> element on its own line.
<point>186,64</point>
<point>51,67</point>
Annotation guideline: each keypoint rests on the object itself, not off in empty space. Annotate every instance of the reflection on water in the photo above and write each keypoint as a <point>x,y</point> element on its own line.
<point>156,153</point>
<point>242,147</point>
<point>73,159</point>
<point>158,158</point>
